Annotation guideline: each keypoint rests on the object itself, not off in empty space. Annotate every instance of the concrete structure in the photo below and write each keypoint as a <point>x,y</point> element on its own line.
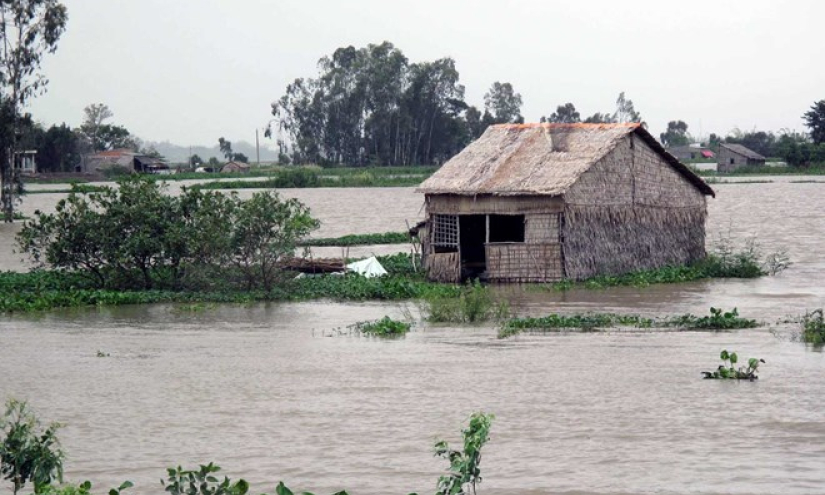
<point>734,156</point>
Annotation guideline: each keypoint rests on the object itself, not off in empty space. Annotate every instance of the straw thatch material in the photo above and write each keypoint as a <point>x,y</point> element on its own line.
<point>537,159</point>
<point>595,199</point>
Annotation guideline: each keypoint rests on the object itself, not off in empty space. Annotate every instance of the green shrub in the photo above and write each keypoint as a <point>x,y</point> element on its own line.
<point>728,370</point>
<point>385,327</point>
<point>28,452</point>
<point>813,327</point>
<point>474,303</point>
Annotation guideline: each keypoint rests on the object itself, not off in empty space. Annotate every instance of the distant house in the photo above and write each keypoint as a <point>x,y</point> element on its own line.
<point>26,161</point>
<point>127,159</point>
<point>236,168</point>
<point>734,156</point>
<point>545,202</point>
<point>690,152</point>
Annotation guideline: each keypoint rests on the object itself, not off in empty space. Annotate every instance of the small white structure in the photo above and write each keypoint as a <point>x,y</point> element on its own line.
<point>26,161</point>
<point>369,268</point>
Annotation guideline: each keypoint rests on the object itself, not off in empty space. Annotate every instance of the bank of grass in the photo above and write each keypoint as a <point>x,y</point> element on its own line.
<point>816,169</point>
<point>718,319</point>
<point>359,240</point>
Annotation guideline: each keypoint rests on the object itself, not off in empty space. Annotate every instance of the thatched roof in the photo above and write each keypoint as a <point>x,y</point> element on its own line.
<point>537,159</point>
<point>741,150</point>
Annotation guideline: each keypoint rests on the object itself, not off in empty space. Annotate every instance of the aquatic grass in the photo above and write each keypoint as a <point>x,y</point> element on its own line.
<point>474,303</point>
<point>591,322</point>
<point>385,327</point>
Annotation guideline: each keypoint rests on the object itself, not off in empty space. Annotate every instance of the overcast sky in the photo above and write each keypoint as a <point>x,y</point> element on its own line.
<point>190,71</point>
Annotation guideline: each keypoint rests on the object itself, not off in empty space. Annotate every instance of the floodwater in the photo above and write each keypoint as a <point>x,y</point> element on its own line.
<point>273,392</point>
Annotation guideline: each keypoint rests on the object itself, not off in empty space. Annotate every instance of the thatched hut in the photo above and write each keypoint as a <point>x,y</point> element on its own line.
<point>545,202</point>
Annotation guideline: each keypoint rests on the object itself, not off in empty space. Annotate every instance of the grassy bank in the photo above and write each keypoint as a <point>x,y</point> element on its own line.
<point>359,240</point>
<point>818,169</point>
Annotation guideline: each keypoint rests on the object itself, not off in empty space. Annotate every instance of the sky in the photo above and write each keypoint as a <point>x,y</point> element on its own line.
<point>191,71</point>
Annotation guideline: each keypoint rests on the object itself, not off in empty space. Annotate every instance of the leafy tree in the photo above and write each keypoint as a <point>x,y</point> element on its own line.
<point>815,121</point>
<point>676,134</point>
<point>713,141</point>
<point>564,114</point>
<point>113,137</point>
<point>625,112</point>
<point>240,157</point>
<point>195,161</point>
<point>28,30</point>
<point>95,116</point>
<point>28,452</point>
<point>59,151</point>
<point>226,148</point>
<point>600,118</point>
<point>761,142</point>
<point>503,103</point>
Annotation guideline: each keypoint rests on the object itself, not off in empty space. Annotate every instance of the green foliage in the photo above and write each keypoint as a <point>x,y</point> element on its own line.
<point>28,452</point>
<point>465,464</point>
<point>813,327</point>
<point>137,236</point>
<point>475,303</point>
<point>385,327</point>
<point>84,488</point>
<point>728,371</point>
<point>717,320</point>
<point>676,134</point>
<point>202,482</point>
<point>815,121</point>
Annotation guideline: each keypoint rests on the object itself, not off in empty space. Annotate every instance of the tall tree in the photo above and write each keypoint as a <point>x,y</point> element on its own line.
<point>564,114</point>
<point>676,134</point>
<point>503,103</point>
<point>600,118</point>
<point>28,30</point>
<point>625,112</point>
<point>94,118</point>
<point>815,121</point>
<point>60,150</point>
<point>226,148</point>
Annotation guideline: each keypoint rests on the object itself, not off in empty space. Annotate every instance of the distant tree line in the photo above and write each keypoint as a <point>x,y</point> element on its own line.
<point>372,105</point>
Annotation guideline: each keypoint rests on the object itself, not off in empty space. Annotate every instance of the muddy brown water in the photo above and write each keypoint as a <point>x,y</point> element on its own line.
<point>272,391</point>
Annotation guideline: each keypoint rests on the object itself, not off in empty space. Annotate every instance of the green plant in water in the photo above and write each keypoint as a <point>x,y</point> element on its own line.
<point>28,452</point>
<point>385,327</point>
<point>474,303</point>
<point>728,370</point>
<point>465,463</point>
<point>202,482</point>
<point>813,327</point>
<point>102,354</point>
<point>718,320</point>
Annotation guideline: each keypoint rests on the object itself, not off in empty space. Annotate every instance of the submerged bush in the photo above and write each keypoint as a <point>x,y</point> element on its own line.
<point>728,371</point>
<point>813,327</point>
<point>475,303</point>
<point>385,327</point>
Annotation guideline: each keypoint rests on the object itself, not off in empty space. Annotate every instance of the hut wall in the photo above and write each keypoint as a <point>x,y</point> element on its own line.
<point>631,211</point>
<point>443,267</point>
<point>729,160</point>
<point>453,204</point>
<point>542,228</point>
<point>521,262</point>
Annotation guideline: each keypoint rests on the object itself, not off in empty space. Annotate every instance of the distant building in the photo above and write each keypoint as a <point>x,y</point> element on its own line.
<point>236,167</point>
<point>690,152</point>
<point>127,159</point>
<point>26,161</point>
<point>734,156</point>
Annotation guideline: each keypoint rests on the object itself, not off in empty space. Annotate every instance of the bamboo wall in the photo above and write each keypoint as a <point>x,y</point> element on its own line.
<point>632,211</point>
<point>454,204</point>
<point>521,262</point>
<point>443,267</point>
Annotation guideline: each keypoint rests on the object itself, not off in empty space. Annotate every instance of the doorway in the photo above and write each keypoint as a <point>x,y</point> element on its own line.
<point>472,236</point>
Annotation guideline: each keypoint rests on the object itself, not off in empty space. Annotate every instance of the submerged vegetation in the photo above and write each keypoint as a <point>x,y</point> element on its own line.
<point>385,327</point>
<point>728,370</point>
<point>717,320</point>
<point>475,303</point>
<point>29,454</point>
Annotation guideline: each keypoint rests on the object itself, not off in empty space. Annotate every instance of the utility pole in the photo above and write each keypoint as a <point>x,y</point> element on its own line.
<point>257,148</point>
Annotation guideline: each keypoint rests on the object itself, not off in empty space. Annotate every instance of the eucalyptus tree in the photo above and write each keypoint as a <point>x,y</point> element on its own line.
<point>502,101</point>
<point>28,30</point>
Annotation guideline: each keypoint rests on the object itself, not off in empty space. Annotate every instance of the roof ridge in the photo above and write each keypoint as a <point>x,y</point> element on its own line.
<point>572,125</point>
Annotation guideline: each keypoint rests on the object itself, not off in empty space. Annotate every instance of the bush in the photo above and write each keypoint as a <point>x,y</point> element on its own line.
<point>475,303</point>
<point>385,327</point>
<point>28,452</point>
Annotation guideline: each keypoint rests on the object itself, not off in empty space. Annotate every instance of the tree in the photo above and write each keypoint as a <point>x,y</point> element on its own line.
<point>28,30</point>
<point>625,112</point>
<point>113,137</point>
<point>761,142</point>
<point>59,150</point>
<point>28,452</point>
<point>676,134</point>
<point>94,117</point>
<point>815,121</point>
<point>564,114</point>
<point>600,118</point>
<point>195,161</point>
<point>503,103</point>
<point>240,157</point>
<point>226,148</point>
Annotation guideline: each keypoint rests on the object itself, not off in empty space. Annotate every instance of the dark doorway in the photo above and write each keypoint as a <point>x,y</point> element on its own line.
<point>506,228</point>
<point>472,236</point>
